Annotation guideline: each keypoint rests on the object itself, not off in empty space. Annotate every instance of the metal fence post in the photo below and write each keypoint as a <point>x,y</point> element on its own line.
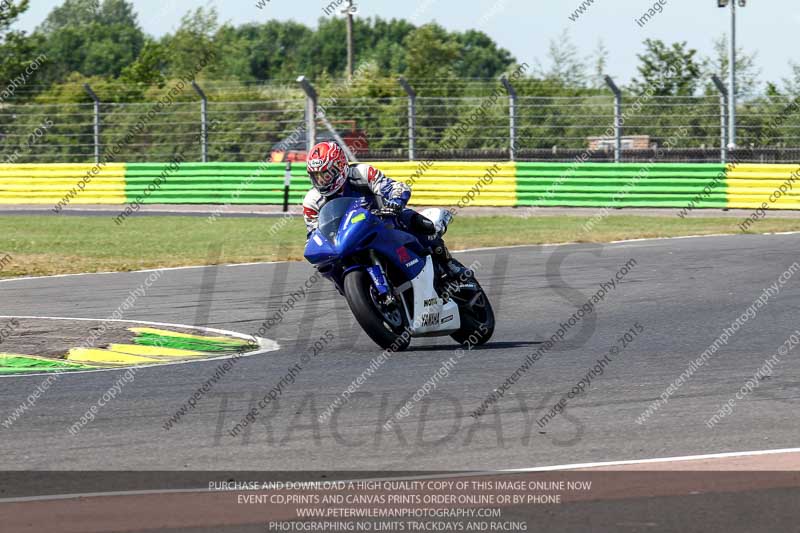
<point>96,121</point>
<point>311,112</point>
<point>512,118</point>
<point>203,121</point>
<point>412,117</point>
<point>723,117</point>
<point>287,182</point>
<point>617,117</point>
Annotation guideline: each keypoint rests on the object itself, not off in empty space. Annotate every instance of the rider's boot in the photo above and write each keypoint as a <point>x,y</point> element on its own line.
<point>452,268</point>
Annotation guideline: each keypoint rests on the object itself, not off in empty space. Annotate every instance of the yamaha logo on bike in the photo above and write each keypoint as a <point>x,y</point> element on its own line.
<point>431,319</point>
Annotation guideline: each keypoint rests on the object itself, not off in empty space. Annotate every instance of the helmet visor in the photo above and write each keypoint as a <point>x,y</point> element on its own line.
<point>324,180</point>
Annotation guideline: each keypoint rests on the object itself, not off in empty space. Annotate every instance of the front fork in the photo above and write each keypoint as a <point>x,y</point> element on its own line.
<point>378,276</point>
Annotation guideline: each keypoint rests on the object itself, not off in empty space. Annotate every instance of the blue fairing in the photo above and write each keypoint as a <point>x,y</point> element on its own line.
<point>347,229</point>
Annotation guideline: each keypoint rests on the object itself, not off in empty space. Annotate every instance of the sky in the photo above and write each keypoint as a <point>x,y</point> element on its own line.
<point>525,27</point>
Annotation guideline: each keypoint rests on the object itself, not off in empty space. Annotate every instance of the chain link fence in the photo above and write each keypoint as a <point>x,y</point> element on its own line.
<point>527,120</point>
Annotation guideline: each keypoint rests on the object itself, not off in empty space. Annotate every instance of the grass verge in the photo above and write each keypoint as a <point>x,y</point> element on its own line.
<point>45,245</point>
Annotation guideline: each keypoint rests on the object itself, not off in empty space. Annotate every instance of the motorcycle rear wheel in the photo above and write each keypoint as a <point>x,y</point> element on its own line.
<point>386,327</point>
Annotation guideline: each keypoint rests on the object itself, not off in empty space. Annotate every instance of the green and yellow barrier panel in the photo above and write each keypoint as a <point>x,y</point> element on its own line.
<point>750,186</point>
<point>434,183</point>
<point>620,184</point>
<point>437,183</point>
<point>50,183</point>
<point>448,182</point>
<point>214,183</point>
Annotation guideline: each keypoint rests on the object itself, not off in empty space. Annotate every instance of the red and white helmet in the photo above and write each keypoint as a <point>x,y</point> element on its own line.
<point>326,165</point>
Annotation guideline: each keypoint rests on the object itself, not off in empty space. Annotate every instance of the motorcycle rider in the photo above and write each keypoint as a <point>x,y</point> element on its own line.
<point>332,177</point>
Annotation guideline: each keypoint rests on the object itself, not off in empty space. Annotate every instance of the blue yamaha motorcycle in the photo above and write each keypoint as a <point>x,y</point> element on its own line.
<point>393,286</point>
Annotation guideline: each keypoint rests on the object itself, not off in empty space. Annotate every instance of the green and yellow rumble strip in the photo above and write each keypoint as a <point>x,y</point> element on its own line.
<point>11,363</point>
<point>148,346</point>
<point>185,341</point>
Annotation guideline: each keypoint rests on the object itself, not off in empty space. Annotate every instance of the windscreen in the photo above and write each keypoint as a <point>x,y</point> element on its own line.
<point>330,217</point>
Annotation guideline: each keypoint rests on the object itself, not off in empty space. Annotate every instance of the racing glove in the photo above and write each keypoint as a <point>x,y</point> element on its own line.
<point>392,207</point>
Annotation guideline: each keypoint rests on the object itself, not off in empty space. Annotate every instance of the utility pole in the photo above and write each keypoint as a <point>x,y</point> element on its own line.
<point>349,11</point>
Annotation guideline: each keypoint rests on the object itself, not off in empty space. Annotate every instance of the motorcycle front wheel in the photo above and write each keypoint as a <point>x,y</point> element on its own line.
<point>385,324</point>
<point>477,315</point>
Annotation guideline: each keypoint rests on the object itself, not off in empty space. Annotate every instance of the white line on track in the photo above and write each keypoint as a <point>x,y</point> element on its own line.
<point>484,249</point>
<point>725,455</point>
<point>473,473</point>
<point>624,241</point>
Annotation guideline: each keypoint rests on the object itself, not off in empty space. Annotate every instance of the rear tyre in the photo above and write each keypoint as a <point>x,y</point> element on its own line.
<point>385,324</point>
<point>477,315</point>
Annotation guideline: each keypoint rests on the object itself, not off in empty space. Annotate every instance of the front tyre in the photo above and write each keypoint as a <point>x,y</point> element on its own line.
<point>385,324</point>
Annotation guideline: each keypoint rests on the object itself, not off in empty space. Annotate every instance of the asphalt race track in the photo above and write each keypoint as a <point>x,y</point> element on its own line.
<point>682,292</point>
